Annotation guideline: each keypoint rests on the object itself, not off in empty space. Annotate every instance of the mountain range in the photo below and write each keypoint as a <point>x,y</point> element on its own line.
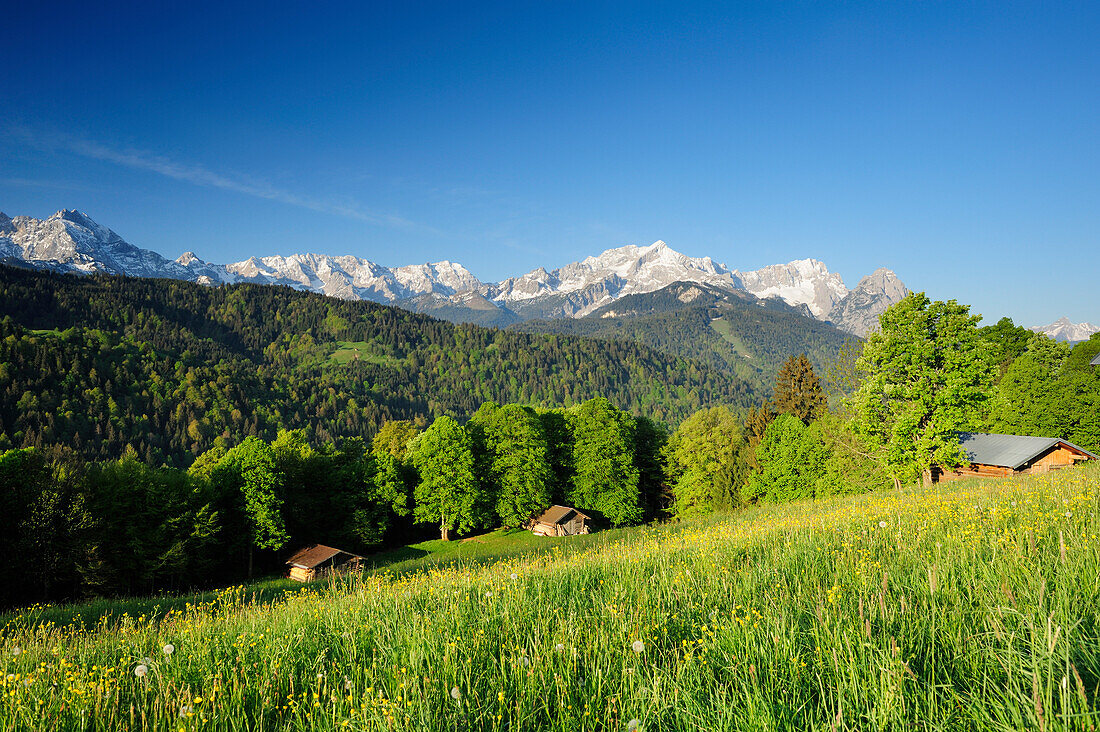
<point>1065,330</point>
<point>70,241</point>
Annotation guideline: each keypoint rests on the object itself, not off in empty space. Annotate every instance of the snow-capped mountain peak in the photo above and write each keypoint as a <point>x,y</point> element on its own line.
<point>70,241</point>
<point>1063,329</point>
<point>801,282</point>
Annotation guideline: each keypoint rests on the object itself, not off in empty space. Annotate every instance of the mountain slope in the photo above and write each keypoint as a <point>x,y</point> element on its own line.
<point>171,368</point>
<point>728,330</point>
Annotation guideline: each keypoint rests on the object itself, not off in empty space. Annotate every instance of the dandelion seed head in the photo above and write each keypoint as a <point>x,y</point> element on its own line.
<point>16,651</point>
<point>632,725</point>
<point>882,524</point>
<point>514,575</point>
<point>140,670</point>
<point>559,647</point>
<point>168,649</point>
<point>637,646</point>
<point>455,693</point>
<point>186,711</point>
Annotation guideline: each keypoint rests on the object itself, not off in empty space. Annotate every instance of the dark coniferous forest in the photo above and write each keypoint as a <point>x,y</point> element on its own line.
<point>169,369</point>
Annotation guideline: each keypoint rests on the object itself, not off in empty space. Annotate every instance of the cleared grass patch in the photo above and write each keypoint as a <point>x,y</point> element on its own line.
<point>975,605</point>
<point>348,351</point>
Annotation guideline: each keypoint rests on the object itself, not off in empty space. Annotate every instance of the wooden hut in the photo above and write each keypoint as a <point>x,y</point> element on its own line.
<point>316,561</point>
<point>561,521</point>
<point>998,456</point>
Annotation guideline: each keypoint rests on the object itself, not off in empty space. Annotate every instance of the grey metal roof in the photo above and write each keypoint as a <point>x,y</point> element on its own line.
<point>1095,361</point>
<point>1008,451</point>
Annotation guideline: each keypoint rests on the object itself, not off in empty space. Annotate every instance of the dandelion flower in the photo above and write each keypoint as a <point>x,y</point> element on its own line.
<point>168,649</point>
<point>140,670</point>
<point>455,693</point>
<point>637,646</point>
<point>632,725</point>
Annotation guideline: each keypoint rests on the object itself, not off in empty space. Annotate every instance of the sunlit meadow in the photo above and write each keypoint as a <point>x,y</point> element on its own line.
<point>971,606</point>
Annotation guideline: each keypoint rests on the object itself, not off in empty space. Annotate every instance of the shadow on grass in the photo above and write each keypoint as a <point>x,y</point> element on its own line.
<point>467,552</point>
<point>110,611</point>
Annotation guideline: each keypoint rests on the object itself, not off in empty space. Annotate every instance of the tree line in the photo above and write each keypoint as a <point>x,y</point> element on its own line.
<point>123,527</point>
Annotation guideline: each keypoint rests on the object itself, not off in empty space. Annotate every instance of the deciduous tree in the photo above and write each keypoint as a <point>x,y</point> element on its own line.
<point>929,376</point>
<point>448,491</point>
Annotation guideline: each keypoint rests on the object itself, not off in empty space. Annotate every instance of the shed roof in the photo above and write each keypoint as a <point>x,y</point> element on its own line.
<point>1095,361</point>
<point>316,555</point>
<point>558,514</point>
<point>1009,451</point>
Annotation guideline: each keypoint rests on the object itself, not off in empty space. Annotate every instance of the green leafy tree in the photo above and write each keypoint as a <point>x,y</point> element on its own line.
<point>393,438</point>
<point>605,477</point>
<point>929,376</point>
<point>448,491</point>
<point>519,463</point>
<point>852,465</point>
<point>252,466</point>
<point>798,390</point>
<point>706,463</point>
<point>792,460</point>
<point>1027,399</point>
<point>1007,341</point>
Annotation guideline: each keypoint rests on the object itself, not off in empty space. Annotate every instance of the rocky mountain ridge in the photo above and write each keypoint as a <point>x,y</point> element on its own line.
<point>70,241</point>
<point>1063,329</point>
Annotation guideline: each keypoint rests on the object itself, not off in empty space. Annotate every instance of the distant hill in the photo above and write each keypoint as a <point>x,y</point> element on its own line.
<point>98,363</point>
<point>728,330</point>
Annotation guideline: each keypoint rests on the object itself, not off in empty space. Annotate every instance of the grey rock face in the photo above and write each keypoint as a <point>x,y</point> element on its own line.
<point>859,310</point>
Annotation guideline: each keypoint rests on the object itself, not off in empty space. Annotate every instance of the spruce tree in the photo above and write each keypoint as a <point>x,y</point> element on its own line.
<point>798,390</point>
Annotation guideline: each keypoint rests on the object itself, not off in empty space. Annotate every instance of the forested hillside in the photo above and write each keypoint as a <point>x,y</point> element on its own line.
<point>171,368</point>
<point>725,330</point>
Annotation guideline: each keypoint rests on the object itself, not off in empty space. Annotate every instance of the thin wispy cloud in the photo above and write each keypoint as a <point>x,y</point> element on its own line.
<point>200,175</point>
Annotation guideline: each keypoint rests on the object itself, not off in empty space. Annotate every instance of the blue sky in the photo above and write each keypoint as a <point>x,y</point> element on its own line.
<point>957,143</point>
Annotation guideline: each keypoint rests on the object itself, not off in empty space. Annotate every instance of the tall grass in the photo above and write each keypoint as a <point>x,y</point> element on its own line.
<point>971,606</point>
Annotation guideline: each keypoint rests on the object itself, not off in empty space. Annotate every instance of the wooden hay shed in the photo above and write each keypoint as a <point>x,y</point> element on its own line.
<point>317,560</point>
<point>998,456</point>
<point>561,521</point>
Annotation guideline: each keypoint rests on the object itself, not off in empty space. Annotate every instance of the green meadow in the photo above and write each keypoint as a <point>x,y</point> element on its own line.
<point>972,606</point>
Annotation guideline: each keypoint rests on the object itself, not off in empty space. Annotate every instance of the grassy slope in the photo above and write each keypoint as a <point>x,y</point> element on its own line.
<point>972,606</point>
